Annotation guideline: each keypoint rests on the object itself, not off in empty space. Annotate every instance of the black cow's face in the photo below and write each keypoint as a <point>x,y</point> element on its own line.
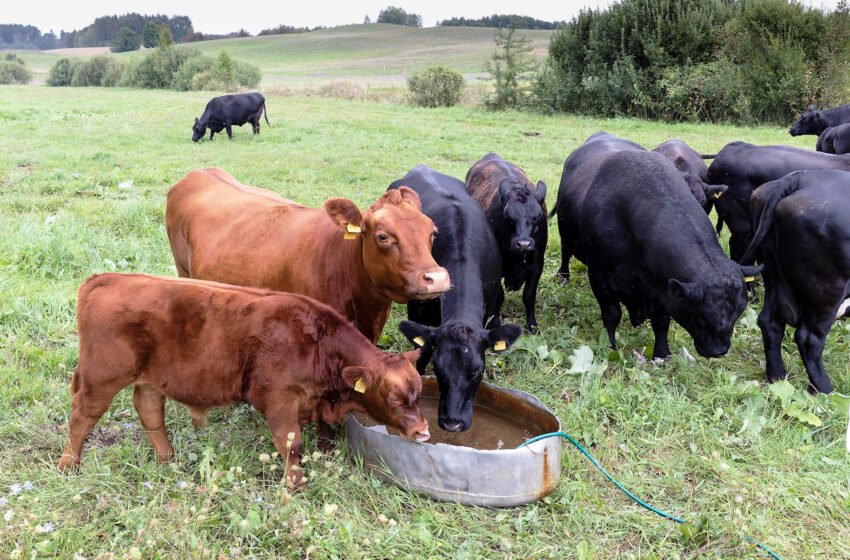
<point>458,358</point>
<point>809,123</point>
<point>198,131</point>
<point>708,310</point>
<point>524,214</point>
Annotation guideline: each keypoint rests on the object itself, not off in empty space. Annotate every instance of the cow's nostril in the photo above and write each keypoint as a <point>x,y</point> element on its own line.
<point>452,425</point>
<point>427,279</point>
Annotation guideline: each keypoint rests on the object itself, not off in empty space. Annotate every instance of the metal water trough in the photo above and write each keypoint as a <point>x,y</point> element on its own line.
<point>452,473</point>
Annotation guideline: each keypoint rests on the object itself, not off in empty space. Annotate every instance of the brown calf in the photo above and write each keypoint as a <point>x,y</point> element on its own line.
<point>356,262</point>
<point>206,344</point>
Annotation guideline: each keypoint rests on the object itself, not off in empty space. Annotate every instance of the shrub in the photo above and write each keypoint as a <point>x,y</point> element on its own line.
<point>14,73</point>
<point>247,75</point>
<point>193,66</point>
<point>114,73</point>
<point>435,87</point>
<point>157,69</point>
<point>511,70</point>
<point>91,72</point>
<point>62,72</point>
<point>126,40</point>
<point>12,57</point>
<point>224,70</point>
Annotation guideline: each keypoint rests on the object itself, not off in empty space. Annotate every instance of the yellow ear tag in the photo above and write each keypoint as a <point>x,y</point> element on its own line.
<point>419,340</point>
<point>500,345</point>
<point>717,194</point>
<point>749,278</point>
<point>349,235</point>
<point>351,228</point>
<point>360,387</point>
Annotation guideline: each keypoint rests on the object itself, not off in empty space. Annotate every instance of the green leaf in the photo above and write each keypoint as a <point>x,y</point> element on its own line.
<point>783,390</point>
<point>752,415</point>
<point>840,402</point>
<point>810,418</point>
<point>46,546</point>
<point>542,352</point>
<point>556,357</point>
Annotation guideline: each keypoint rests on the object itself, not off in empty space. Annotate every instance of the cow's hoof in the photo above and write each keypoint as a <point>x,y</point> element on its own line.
<point>562,279</point>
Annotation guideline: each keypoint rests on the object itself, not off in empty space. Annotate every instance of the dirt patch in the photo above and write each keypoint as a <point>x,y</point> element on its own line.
<point>80,51</point>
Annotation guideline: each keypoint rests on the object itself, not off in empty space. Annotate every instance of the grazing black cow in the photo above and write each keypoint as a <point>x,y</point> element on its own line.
<point>648,244</point>
<point>744,167</point>
<point>802,224</point>
<point>693,168</point>
<point>227,110</point>
<point>516,210</point>
<point>835,140</point>
<point>815,122</point>
<point>466,247</point>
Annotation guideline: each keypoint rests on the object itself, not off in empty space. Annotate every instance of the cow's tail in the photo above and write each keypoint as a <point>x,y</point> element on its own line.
<point>708,156</point>
<point>554,210</point>
<point>75,381</point>
<point>266,115</point>
<point>762,222</point>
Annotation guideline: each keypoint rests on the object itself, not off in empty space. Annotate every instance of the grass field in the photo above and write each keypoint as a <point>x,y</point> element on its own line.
<point>83,178</point>
<point>376,54</point>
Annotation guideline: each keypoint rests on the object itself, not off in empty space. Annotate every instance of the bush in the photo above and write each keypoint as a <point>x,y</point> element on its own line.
<point>114,73</point>
<point>435,87</point>
<point>247,75</point>
<point>63,71</point>
<point>511,69</point>
<point>14,73</point>
<point>157,70</point>
<point>126,40</point>
<point>193,66</point>
<point>91,72</point>
<point>150,35</point>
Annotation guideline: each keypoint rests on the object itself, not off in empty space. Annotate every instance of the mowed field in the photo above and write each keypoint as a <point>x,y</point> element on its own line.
<point>83,179</point>
<point>374,55</point>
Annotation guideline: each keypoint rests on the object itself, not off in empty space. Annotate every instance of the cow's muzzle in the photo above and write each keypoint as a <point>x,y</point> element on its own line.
<point>431,283</point>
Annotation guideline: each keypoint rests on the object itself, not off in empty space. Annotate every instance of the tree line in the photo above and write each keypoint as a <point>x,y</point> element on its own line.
<point>501,20</point>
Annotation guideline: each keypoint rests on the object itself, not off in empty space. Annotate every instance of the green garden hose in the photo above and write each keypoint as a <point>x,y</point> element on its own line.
<point>626,492</point>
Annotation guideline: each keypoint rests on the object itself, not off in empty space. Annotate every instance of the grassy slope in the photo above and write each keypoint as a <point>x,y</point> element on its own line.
<point>376,53</point>
<point>669,432</point>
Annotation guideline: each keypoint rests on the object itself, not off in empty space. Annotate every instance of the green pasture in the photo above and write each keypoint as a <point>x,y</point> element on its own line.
<point>376,54</point>
<point>83,179</point>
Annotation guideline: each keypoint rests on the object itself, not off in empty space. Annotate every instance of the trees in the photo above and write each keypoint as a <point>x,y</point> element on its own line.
<point>165,38</point>
<point>398,16</point>
<point>150,35</point>
<point>511,69</point>
<point>126,40</point>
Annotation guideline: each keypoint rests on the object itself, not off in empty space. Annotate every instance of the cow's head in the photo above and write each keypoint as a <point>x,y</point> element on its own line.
<point>708,308</point>
<point>524,213</point>
<point>198,130</point>
<point>809,122</point>
<point>458,358</point>
<point>389,391</point>
<point>396,239</point>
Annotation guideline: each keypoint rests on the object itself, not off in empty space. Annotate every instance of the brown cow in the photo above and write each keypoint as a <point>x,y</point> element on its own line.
<point>222,230</point>
<point>206,344</point>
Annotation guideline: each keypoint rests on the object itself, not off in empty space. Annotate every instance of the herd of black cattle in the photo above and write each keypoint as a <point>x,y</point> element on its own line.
<point>639,220</point>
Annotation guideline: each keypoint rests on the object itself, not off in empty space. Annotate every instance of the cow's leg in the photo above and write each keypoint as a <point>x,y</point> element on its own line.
<point>608,305</point>
<point>325,436</point>
<point>660,322</point>
<point>150,405</point>
<point>529,297</point>
<point>199,417</point>
<point>229,131</point>
<point>87,406</point>
<point>212,133</point>
<point>811,339</point>
<point>772,333</point>
<point>256,125</point>
<point>282,418</point>
<point>496,312</point>
<point>563,274</point>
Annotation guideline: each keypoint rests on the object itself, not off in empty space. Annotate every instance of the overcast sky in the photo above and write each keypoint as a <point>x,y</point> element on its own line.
<point>254,15</point>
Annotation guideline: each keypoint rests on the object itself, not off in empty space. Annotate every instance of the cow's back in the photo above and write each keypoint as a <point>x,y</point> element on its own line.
<point>223,231</point>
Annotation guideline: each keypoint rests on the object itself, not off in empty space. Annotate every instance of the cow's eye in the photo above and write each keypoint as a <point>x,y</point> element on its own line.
<point>383,237</point>
<point>393,401</point>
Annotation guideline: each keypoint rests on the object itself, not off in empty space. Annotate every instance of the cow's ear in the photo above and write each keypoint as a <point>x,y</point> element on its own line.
<point>715,191</point>
<point>540,195</point>
<point>684,291</point>
<point>343,212</point>
<point>420,335</point>
<point>502,337</point>
<point>413,356</point>
<point>504,188</point>
<point>410,195</point>
<point>196,120</point>
<point>811,107</point>
<point>359,378</point>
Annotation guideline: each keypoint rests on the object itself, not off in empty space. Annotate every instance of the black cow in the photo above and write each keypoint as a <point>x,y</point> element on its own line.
<point>579,169</point>
<point>228,110</point>
<point>466,247</point>
<point>744,167</point>
<point>835,140</point>
<point>516,210</point>
<point>692,166</point>
<point>648,244</point>
<point>802,224</point>
<point>815,122</point>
